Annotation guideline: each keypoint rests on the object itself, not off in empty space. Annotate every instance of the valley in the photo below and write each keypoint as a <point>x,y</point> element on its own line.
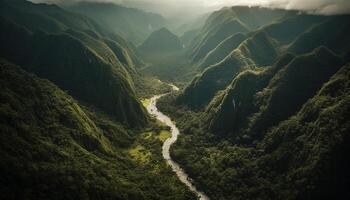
<point>104,101</point>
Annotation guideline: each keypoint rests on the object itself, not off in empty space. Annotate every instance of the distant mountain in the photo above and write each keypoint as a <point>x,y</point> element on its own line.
<point>286,29</point>
<point>133,24</point>
<point>332,33</point>
<point>44,17</point>
<point>225,30</point>
<point>256,51</point>
<point>79,61</point>
<point>161,41</point>
<point>222,50</point>
<point>228,21</point>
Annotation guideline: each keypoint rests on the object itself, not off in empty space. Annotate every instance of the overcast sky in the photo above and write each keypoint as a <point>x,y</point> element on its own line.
<point>173,7</point>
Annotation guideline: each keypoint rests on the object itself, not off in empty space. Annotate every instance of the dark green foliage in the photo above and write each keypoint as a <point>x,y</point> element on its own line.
<point>85,66</point>
<point>288,28</point>
<point>254,52</point>
<point>226,29</point>
<point>133,24</point>
<point>222,50</point>
<point>227,21</point>
<point>304,157</point>
<point>253,128</point>
<point>228,112</point>
<point>333,34</point>
<point>292,86</point>
<point>52,148</point>
<point>43,17</point>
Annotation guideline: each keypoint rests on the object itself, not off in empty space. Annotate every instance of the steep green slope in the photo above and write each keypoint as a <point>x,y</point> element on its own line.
<point>334,34</point>
<point>254,52</point>
<point>288,28</point>
<point>270,96</point>
<point>52,148</point>
<point>292,87</point>
<point>161,41</point>
<point>133,24</point>
<point>227,21</point>
<point>228,112</point>
<point>76,65</point>
<point>44,17</point>
<point>226,29</point>
<point>222,50</point>
<point>304,157</point>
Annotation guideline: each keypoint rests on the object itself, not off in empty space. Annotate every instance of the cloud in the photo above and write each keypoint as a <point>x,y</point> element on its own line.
<point>326,7</point>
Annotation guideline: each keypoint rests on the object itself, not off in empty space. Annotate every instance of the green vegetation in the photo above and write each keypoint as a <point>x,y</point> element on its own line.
<point>132,24</point>
<point>52,148</point>
<point>161,41</point>
<point>302,156</point>
<point>263,123</point>
<point>222,50</point>
<point>164,135</point>
<point>83,65</point>
<point>226,22</point>
<point>225,30</point>
<point>257,51</point>
<point>263,103</point>
<point>333,33</point>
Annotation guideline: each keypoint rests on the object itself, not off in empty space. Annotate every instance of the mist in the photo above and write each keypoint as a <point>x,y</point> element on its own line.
<point>178,8</point>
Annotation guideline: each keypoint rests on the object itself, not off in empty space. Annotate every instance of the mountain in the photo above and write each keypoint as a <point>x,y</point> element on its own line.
<point>287,28</point>
<point>44,17</point>
<point>302,157</point>
<point>133,24</point>
<point>161,41</point>
<point>256,51</point>
<point>222,50</point>
<point>228,21</point>
<point>226,29</point>
<point>263,99</point>
<point>81,63</point>
<point>51,147</point>
<point>266,117</point>
<point>228,112</point>
<point>78,69</point>
<point>332,33</point>
<point>293,86</point>
<point>323,121</point>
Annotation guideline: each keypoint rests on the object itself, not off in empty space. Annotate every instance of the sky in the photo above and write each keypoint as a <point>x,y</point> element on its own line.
<point>178,7</point>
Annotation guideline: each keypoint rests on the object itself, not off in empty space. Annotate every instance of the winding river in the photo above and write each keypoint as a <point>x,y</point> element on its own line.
<point>181,174</point>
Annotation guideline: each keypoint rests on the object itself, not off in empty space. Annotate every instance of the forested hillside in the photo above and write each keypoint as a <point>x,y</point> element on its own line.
<point>210,101</point>
<point>266,117</point>
<point>81,62</point>
<point>53,148</point>
<point>132,24</point>
<point>72,125</point>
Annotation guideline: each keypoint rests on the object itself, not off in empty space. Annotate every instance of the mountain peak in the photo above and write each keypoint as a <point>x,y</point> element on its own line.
<point>161,40</point>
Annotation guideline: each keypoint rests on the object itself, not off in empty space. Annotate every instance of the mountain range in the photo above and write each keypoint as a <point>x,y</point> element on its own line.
<point>265,116</point>
<point>262,107</point>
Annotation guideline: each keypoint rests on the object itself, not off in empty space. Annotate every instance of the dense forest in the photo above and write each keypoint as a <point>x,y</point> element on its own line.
<point>267,116</point>
<point>260,95</point>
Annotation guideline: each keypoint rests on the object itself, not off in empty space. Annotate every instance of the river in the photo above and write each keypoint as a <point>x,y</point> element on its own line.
<point>181,174</point>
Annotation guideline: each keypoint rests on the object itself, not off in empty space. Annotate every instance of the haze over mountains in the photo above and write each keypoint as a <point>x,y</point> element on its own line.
<point>262,107</point>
